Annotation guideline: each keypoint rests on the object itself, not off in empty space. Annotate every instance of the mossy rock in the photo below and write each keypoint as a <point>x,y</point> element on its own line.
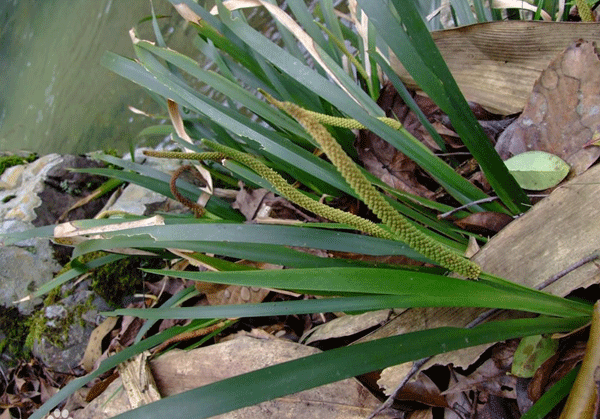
<point>15,160</point>
<point>119,279</point>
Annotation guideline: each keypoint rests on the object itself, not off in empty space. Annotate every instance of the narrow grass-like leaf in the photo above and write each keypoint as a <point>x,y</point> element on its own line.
<point>229,88</point>
<point>462,8</point>
<point>306,20</point>
<point>274,254</point>
<point>288,39</point>
<point>553,396</point>
<point>269,142</point>
<point>337,364</point>
<point>414,57</point>
<point>220,264</point>
<point>225,41</point>
<point>325,305</point>
<point>434,289</point>
<point>160,130</point>
<point>7,239</point>
<point>461,189</point>
<point>290,65</point>
<point>333,25</point>
<point>443,90</point>
<point>408,99</point>
<point>342,47</point>
<point>482,11</point>
<point>159,38</point>
<point>174,301</point>
<point>214,205</point>
<point>250,233</point>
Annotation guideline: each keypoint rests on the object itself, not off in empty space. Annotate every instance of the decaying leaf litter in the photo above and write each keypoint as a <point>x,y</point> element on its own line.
<point>567,213</point>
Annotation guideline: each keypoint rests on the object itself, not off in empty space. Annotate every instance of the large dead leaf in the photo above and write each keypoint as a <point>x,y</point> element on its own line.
<point>93,351</point>
<point>562,113</point>
<point>491,377</point>
<point>345,326</point>
<point>557,232</point>
<point>495,64</point>
<point>179,371</point>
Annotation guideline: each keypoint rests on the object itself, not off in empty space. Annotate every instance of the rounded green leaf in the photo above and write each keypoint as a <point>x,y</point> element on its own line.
<point>537,170</point>
<point>532,352</point>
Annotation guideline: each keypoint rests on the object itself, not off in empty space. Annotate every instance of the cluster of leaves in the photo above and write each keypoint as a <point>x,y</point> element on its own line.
<point>314,76</point>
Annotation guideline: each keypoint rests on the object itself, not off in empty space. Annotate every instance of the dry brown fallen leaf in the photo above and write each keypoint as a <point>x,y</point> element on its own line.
<point>557,232</point>
<point>248,202</point>
<point>555,368</point>
<point>346,325</point>
<point>386,162</point>
<point>562,113</point>
<point>93,351</point>
<point>421,414</point>
<point>484,222</point>
<point>178,371</point>
<point>495,64</point>
<point>458,402</point>
<point>26,386</point>
<point>491,377</point>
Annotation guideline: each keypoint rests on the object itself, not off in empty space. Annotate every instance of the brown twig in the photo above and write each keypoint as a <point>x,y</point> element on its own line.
<point>571,268</point>
<point>480,201</point>
<point>194,206</point>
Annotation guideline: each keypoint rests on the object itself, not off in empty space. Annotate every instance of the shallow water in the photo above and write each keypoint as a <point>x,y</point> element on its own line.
<point>55,96</point>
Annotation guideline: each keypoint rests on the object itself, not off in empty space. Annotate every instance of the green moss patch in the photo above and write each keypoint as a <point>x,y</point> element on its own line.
<point>14,333</point>
<point>9,161</point>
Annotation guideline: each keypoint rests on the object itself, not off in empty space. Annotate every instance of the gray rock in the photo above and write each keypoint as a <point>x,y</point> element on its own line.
<point>25,267</point>
<point>36,194</point>
<point>20,186</point>
<point>60,351</point>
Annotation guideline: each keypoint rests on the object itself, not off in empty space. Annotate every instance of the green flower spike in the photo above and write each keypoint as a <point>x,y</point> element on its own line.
<point>399,225</point>
<point>280,184</point>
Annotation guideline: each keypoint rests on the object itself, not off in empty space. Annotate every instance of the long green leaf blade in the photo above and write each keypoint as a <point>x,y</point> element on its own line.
<point>434,289</point>
<point>457,186</point>
<point>325,305</point>
<point>337,364</point>
<point>419,54</point>
<point>252,233</point>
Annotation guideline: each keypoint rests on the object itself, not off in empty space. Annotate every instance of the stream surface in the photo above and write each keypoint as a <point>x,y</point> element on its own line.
<point>55,96</point>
